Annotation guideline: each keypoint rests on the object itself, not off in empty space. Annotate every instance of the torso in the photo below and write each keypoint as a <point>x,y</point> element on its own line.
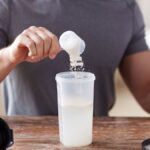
<point>103,26</point>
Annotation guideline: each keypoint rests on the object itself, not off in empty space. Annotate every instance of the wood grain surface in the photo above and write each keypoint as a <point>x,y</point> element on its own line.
<point>41,133</point>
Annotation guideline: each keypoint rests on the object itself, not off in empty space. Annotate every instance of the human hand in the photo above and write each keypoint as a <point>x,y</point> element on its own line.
<point>32,45</point>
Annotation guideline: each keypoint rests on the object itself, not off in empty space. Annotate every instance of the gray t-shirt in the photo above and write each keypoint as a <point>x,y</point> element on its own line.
<point>112,29</point>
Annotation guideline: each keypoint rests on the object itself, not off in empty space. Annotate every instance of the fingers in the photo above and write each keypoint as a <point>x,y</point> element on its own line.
<point>24,41</point>
<point>44,37</point>
<point>54,47</point>
<point>37,41</point>
<point>40,43</point>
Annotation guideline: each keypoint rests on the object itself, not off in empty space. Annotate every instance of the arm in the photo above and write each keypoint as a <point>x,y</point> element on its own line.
<point>5,65</point>
<point>135,70</point>
<point>32,45</point>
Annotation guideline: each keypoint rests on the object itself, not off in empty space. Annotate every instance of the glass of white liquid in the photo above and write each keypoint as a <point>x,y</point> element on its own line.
<point>75,92</point>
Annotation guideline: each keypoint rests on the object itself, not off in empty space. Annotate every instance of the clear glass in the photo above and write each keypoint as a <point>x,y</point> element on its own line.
<point>75,92</point>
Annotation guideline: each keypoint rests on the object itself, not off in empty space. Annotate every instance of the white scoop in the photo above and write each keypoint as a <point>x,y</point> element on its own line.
<point>73,45</point>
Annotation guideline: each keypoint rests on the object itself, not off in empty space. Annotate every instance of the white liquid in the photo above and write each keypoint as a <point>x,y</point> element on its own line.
<point>75,125</point>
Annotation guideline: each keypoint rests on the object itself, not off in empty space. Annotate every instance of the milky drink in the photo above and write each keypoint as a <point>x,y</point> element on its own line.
<point>75,92</point>
<point>76,124</point>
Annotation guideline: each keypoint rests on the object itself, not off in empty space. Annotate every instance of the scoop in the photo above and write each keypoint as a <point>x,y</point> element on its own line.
<point>72,44</point>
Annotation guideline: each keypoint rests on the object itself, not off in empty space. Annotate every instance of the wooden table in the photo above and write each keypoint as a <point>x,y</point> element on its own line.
<point>41,133</point>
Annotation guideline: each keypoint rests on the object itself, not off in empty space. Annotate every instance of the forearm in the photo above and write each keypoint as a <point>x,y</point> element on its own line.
<point>5,64</point>
<point>142,95</point>
<point>141,92</point>
<point>146,102</point>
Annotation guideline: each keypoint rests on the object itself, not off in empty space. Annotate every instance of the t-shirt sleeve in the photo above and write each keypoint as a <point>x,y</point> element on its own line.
<point>4,22</point>
<point>137,42</point>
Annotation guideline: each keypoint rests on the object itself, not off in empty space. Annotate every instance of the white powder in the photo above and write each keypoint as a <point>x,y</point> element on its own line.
<point>74,46</point>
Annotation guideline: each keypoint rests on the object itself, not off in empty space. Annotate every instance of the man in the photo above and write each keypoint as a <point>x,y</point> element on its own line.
<point>114,34</point>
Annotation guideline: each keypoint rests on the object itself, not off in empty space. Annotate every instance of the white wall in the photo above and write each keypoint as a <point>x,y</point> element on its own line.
<point>1,102</point>
<point>145,8</point>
